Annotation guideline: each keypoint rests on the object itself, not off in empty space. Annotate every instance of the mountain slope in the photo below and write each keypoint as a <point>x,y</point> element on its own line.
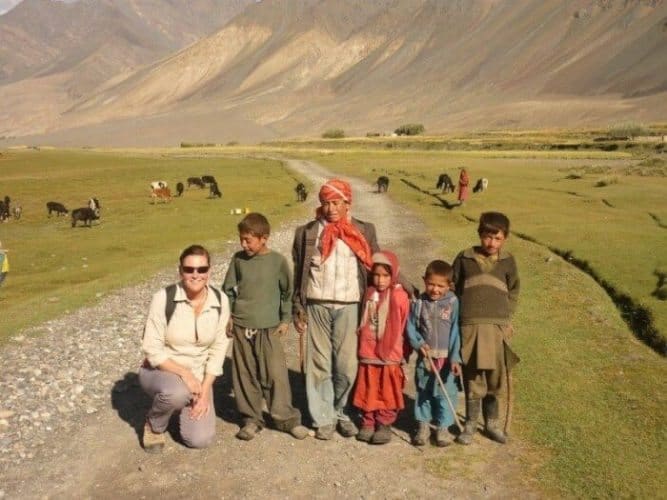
<point>298,67</point>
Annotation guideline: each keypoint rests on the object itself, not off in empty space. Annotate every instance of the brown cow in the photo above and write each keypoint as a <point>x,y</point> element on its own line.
<point>161,194</point>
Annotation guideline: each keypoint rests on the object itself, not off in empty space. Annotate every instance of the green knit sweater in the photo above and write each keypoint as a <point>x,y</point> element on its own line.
<point>488,294</point>
<point>259,290</point>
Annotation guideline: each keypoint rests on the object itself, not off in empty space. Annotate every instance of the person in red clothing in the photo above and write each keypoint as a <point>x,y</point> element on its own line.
<point>380,379</point>
<point>464,181</point>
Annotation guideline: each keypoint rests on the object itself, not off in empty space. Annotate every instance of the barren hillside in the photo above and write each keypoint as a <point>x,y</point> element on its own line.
<point>298,67</point>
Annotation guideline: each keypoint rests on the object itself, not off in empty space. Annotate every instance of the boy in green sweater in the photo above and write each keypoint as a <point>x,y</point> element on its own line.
<point>487,285</point>
<point>259,286</point>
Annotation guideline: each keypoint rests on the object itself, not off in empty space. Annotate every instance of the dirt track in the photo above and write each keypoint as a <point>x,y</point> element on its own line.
<point>98,455</point>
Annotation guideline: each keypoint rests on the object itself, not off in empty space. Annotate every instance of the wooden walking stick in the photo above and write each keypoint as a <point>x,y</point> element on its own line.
<point>444,391</point>
<point>511,359</point>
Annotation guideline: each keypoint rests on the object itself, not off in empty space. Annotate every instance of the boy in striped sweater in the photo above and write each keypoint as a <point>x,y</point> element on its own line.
<point>487,284</point>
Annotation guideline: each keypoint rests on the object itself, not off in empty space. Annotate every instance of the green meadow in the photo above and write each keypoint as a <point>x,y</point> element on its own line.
<point>591,396</point>
<point>591,393</point>
<point>55,267</point>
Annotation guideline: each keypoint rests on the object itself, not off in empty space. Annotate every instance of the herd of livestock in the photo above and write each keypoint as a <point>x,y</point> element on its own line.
<point>160,191</point>
<point>444,184</point>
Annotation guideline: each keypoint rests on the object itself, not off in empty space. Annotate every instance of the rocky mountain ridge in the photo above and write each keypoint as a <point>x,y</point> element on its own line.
<point>295,68</point>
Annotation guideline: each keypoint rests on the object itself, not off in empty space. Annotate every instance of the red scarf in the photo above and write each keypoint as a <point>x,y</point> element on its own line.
<point>350,235</point>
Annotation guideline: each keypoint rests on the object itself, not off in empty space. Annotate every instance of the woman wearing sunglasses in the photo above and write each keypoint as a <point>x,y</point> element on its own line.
<point>184,344</point>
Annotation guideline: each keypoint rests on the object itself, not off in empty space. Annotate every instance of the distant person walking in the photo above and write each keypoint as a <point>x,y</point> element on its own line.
<point>4,264</point>
<point>464,181</point>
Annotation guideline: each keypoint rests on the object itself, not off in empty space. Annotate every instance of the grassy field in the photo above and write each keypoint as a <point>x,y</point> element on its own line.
<point>55,267</point>
<point>591,396</point>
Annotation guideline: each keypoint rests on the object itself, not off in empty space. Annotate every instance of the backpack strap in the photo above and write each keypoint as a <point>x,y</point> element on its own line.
<point>170,305</point>
<point>218,294</point>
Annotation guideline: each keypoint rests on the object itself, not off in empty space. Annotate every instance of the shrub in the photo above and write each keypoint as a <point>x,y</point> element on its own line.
<point>233,143</point>
<point>197,144</point>
<point>333,133</point>
<point>372,134</point>
<point>626,130</point>
<point>606,182</point>
<point>410,129</point>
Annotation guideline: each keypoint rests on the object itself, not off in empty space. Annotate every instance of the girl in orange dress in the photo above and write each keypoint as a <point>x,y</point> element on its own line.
<point>380,379</point>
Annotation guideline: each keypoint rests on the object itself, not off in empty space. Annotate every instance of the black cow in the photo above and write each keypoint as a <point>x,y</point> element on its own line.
<point>4,209</point>
<point>195,181</point>
<point>58,208</point>
<point>301,193</point>
<point>382,183</point>
<point>445,183</point>
<point>481,185</point>
<point>94,204</point>
<point>213,191</point>
<point>208,179</point>
<point>85,214</point>
<point>179,188</point>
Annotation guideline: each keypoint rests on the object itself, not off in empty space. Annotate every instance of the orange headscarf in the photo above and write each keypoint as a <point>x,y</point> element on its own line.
<point>338,189</point>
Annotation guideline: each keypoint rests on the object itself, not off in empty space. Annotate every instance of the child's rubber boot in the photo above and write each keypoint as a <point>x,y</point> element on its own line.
<point>382,435</point>
<point>491,427</point>
<point>443,437</point>
<point>365,434</point>
<point>421,436</point>
<point>472,415</point>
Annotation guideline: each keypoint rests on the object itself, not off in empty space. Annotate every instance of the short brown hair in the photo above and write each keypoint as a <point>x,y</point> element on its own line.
<point>194,250</point>
<point>255,224</point>
<point>439,268</point>
<point>493,223</point>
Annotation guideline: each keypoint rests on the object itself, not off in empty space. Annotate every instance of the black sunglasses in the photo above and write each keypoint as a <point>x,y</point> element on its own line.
<point>192,269</point>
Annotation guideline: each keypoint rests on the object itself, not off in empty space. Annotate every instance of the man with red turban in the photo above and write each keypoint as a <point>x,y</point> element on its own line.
<point>332,255</point>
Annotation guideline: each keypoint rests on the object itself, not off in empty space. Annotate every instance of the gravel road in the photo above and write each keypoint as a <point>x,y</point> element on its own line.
<point>71,409</point>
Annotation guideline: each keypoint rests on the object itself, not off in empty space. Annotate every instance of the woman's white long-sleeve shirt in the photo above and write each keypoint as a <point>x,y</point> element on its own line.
<point>195,342</point>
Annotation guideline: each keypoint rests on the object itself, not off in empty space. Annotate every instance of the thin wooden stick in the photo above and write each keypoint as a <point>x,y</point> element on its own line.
<point>444,391</point>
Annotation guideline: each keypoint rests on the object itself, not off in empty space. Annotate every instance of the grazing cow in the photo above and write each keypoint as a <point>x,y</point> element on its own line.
<point>158,185</point>
<point>445,183</point>
<point>481,185</point>
<point>213,191</point>
<point>58,208</point>
<point>301,193</point>
<point>179,188</point>
<point>85,214</point>
<point>382,184</point>
<point>195,181</point>
<point>18,210</point>
<point>208,179</point>
<point>94,204</point>
<point>162,194</point>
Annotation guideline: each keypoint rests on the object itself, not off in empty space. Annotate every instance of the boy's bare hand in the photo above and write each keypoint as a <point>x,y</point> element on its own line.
<point>424,349</point>
<point>281,331</point>
<point>300,321</point>
<point>230,328</point>
<point>456,369</point>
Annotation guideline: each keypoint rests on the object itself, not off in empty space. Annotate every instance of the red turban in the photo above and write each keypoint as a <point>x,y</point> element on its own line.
<point>336,189</point>
<point>344,229</point>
